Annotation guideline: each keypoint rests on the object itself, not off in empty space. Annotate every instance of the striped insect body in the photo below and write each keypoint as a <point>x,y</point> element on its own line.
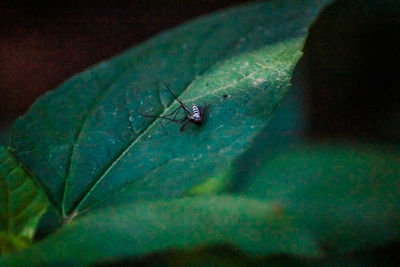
<point>196,116</point>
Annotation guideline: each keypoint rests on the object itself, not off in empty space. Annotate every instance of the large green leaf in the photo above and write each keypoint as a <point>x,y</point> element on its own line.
<point>129,230</point>
<point>86,141</point>
<point>348,196</point>
<point>21,204</point>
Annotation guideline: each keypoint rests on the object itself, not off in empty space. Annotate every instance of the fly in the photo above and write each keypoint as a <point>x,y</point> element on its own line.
<point>195,116</point>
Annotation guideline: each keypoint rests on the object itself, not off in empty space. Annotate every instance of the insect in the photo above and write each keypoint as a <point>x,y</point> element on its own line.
<point>196,116</point>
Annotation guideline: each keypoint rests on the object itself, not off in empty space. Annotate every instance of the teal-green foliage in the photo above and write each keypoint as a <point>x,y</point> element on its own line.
<point>129,188</point>
<point>22,204</point>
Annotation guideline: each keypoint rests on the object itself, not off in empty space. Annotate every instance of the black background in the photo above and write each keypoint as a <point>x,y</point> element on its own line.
<point>41,46</point>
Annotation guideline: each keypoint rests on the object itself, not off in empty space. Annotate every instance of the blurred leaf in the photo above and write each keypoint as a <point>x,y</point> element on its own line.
<point>225,256</point>
<point>86,141</point>
<point>255,227</point>
<point>48,223</point>
<point>348,196</point>
<point>22,203</point>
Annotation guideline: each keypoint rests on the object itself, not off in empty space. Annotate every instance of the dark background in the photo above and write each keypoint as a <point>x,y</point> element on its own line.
<point>41,46</point>
<point>349,69</point>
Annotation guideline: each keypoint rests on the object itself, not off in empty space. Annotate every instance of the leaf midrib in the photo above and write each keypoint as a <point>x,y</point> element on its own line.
<point>152,125</point>
<point>100,96</point>
<point>223,54</point>
<point>75,209</point>
<point>118,158</point>
<point>76,137</point>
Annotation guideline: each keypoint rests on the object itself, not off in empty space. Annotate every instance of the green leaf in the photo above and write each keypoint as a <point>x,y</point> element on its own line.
<point>348,196</point>
<point>129,230</point>
<point>86,141</point>
<point>22,203</point>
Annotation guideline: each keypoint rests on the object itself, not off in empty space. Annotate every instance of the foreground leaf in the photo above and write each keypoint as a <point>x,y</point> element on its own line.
<point>225,256</point>
<point>86,141</point>
<point>254,227</point>
<point>21,204</point>
<point>347,196</point>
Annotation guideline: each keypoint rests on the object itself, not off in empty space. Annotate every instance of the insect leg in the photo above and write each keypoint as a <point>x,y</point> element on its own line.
<point>176,98</point>
<point>170,91</point>
<point>174,119</point>
<point>176,111</point>
<point>173,112</point>
<point>185,122</point>
<point>161,117</point>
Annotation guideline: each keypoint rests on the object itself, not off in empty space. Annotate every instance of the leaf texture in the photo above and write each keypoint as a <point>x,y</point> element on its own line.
<point>22,203</point>
<point>86,142</point>
<point>347,195</point>
<point>255,227</point>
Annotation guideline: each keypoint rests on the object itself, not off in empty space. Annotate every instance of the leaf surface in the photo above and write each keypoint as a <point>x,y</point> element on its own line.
<point>22,203</point>
<point>87,142</point>
<point>129,230</point>
<point>347,195</point>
